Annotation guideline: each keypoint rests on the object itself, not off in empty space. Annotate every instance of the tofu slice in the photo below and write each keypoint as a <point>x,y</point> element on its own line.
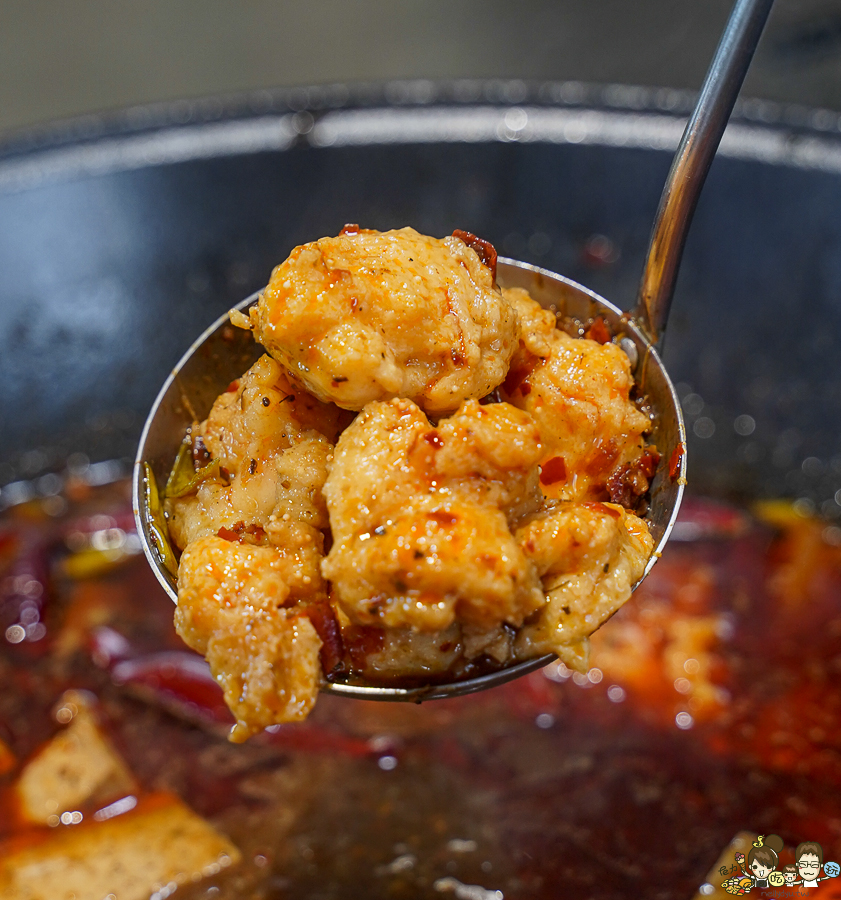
<point>161,842</point>
<point>77,768</point>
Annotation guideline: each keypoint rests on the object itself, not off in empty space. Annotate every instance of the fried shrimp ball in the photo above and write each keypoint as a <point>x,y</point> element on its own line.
<point>589,556</point>
<point>578,392</point>
<point>232,608</point>
<point>373,315</point>
<point>250,523</point>
<point>421,517</point>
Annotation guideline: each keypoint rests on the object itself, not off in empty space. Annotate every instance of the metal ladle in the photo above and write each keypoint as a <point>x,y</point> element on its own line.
<point>222,353</point>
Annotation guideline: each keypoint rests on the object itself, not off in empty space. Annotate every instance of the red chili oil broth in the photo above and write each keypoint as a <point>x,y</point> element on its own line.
<point>555,784</point>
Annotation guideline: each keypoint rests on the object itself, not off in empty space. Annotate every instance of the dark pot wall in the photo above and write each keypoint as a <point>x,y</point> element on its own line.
<point>111,265</point>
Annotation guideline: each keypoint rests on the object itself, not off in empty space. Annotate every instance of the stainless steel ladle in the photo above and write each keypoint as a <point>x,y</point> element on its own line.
<point>222,353</point>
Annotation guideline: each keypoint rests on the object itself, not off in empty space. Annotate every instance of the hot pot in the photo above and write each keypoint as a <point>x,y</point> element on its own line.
<point>122,238</point>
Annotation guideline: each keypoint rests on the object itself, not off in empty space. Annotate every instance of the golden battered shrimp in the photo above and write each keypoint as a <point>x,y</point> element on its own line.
<point>270,441</point>
<point>251,529</point>
<point>589,556</point>
<point>235,607</point>
<point>373,315</point>
<point>420,517</point>
<point>578,392</point>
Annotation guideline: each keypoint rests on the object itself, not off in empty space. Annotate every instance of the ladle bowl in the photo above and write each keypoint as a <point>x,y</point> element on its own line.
<point>222,353</point>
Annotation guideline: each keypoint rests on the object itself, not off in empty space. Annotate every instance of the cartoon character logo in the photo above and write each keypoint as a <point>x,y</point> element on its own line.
<point>789,874</point>
<point>809,861</point>
<point>763,859</point>
<point>760,870</point>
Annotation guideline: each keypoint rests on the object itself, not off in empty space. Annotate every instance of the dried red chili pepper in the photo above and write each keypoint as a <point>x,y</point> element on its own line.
<point>485,250</point>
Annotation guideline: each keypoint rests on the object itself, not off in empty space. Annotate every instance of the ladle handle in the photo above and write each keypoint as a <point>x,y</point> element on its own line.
<point>693,159</point>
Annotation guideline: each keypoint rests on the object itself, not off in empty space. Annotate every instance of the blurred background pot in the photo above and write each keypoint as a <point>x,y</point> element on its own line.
<point>121,238</point>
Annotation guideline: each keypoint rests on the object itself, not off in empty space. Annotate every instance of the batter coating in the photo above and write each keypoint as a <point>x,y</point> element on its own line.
<point>370,316</point>
<point>589,556</point>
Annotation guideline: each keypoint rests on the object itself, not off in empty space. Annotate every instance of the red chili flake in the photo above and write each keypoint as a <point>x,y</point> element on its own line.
<point>674,463</point>
<point>234,533</point>
<point>457,358</point>
<point>350,229</point>
<point>252,467</point>
<point>628,483</point>
<point>598,331</point>
<point>432,437</point>
<point>553,470</point>
<point>323,618</point>
<point>619,487</point>
<point>485,250</point>
<point>442,517</point>
<point>232,387</point>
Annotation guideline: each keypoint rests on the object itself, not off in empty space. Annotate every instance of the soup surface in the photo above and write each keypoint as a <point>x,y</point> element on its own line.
<point>713,706</point>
